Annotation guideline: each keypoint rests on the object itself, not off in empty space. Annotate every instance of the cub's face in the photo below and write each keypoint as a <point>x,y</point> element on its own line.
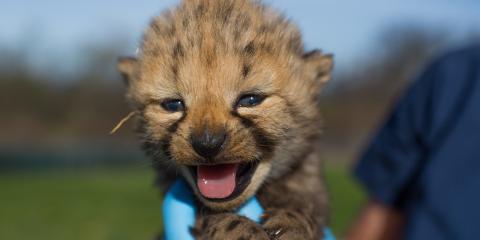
<point>228,117</point>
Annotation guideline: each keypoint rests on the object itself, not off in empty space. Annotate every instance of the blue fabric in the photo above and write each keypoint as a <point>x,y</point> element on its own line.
<point>425,160</point>
<point>179,212</point>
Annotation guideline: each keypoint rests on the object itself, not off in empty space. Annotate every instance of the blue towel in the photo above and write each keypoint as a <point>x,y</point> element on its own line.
<point>179,212</point>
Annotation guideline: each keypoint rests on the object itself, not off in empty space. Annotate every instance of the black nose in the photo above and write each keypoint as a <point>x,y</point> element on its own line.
<point>207,143</point>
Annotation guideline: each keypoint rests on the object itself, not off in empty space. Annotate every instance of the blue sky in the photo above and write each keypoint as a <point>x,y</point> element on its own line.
<point>58,28</point>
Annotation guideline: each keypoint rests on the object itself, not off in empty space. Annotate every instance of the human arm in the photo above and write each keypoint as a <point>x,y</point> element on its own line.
<point>376,221</point>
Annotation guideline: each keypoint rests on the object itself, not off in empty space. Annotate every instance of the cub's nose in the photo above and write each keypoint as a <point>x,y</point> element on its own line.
<point>208,143</point>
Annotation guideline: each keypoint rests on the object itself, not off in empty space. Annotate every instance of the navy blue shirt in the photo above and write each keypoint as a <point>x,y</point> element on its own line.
<point>425,160</point>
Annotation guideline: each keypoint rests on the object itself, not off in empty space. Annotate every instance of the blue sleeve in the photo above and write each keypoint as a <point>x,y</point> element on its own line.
<point>415,129</point>
<point>398,149</point>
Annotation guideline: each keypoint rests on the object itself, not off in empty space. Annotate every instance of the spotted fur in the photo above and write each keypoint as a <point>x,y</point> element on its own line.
<point>209,53</point>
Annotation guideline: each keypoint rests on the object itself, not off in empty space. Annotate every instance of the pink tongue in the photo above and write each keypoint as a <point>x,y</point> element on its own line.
<point>216,181</point>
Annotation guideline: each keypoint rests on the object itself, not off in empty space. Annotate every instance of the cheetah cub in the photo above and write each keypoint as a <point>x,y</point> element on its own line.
<point>226,95</point>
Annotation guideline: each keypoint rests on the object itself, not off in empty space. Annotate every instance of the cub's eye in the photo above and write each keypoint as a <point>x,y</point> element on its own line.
<point>250,100</point>
<point>173,105</point>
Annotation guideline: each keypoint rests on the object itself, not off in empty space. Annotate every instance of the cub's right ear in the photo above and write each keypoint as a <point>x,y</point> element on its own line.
<point>126,66</point>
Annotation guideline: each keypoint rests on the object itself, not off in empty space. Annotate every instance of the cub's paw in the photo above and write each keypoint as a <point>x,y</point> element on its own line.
<point>283,224</point>
<point>227,226</point>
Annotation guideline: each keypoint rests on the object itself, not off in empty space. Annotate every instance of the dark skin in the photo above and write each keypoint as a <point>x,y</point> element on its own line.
<point>377,221</point>
<point>293,207</point>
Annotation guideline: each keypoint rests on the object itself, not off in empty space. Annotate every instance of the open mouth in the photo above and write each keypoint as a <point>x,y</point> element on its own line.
<point>223,182</point>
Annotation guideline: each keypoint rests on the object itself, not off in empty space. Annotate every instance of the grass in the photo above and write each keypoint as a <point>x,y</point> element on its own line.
<point>114,204</point>
<point>346,197</point>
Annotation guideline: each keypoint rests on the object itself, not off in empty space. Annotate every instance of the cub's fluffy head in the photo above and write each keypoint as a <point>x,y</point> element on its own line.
<point>226,95</point>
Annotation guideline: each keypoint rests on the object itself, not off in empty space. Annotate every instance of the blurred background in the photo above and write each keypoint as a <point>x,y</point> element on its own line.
<point>62,176</point>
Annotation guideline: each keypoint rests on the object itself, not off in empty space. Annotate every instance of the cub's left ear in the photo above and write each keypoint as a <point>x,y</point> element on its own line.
<point>318,66</point>
<point>126,66</point>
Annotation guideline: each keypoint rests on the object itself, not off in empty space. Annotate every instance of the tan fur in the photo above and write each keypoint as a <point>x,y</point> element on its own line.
<point>209,53</point>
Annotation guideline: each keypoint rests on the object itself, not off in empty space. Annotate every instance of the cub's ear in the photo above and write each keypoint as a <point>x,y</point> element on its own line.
<point>126,66</point>
<point>318,65</point>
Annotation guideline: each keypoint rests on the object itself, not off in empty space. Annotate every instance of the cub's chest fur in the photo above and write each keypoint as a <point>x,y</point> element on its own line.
<point>226,95</point>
